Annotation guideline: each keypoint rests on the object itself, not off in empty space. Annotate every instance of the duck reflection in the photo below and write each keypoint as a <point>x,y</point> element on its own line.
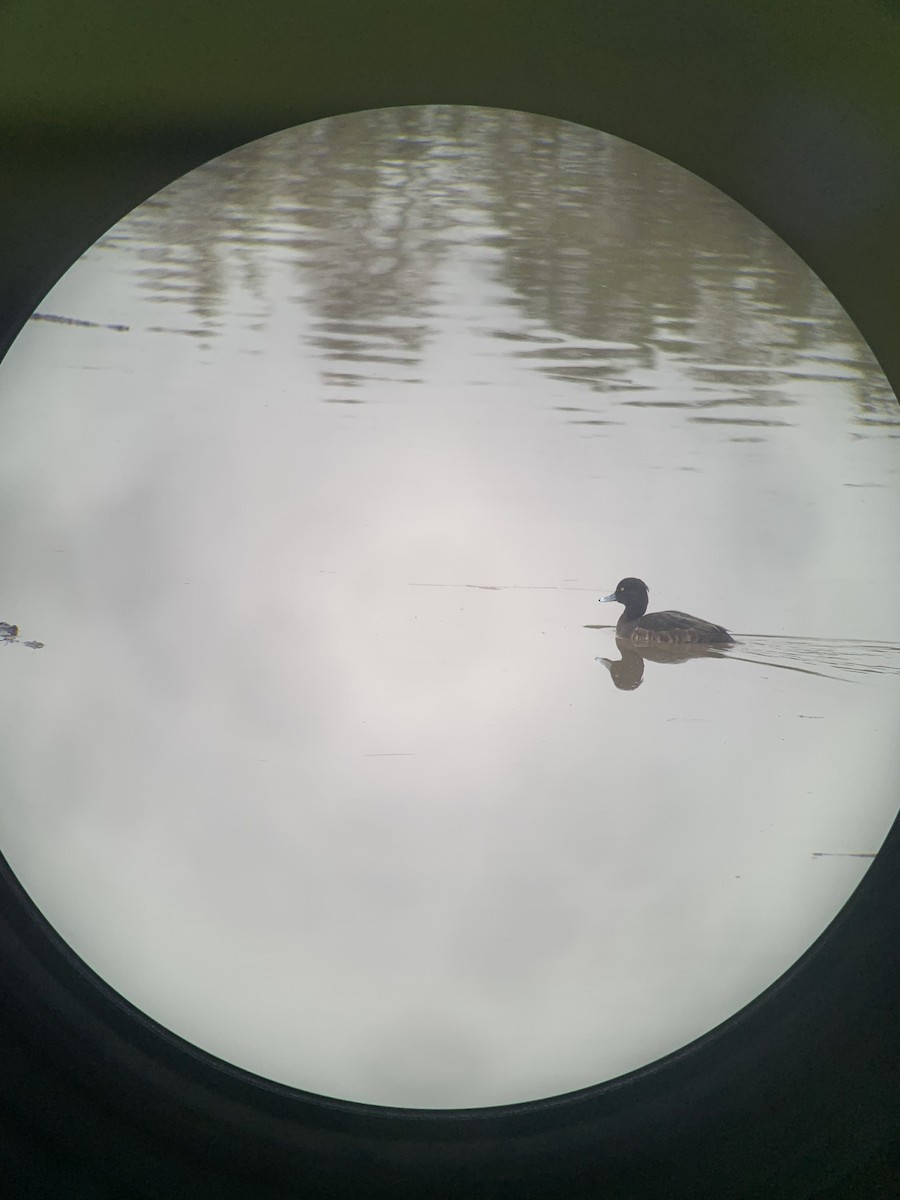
<point>10,634</point>
<point>627,672</point>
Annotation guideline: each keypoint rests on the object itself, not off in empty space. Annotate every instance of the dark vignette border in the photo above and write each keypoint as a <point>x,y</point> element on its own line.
<point>792,109</point>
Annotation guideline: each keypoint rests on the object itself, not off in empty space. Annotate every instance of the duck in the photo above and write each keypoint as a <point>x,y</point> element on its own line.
<point>641,628</point>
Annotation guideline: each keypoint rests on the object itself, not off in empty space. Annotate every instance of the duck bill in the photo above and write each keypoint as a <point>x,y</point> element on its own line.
<point>608,599</point>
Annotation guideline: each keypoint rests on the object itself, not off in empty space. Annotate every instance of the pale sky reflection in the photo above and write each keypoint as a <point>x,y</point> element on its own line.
<point>317,765</point>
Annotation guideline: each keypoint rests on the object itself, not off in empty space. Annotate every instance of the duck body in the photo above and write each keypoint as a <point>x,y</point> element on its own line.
<point>641,628</point>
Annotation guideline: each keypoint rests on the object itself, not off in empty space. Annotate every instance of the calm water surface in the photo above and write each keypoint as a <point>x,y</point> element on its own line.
<point>312,472</point>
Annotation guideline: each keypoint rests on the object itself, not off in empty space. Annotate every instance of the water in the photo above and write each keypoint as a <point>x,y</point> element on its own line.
<point>313,470</point>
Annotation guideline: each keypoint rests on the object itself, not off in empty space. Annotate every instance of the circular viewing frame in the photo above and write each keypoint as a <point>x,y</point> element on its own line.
<point>794,1096</point>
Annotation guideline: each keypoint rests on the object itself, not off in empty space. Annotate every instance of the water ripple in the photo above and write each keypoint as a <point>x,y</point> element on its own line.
<point>846,658</point>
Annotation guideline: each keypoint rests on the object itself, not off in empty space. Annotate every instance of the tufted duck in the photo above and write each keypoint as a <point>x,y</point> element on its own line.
<point>640,627</point>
